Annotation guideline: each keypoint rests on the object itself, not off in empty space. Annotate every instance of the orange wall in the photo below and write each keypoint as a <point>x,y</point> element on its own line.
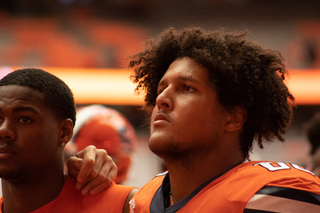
<point>305,86</point>
<point>104,86</point>
<point>113,86</point>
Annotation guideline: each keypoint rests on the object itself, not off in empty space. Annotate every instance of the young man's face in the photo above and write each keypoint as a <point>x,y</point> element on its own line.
<point>29,133</point>
<point>188,118</point>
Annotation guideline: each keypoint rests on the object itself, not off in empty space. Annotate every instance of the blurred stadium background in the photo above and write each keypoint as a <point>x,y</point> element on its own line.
<point>87,44</point>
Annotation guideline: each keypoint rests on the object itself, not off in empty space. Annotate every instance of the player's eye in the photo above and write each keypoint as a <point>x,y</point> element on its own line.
<point>24,120</point>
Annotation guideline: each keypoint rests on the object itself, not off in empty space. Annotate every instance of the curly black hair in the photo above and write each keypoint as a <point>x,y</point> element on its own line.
<point>58,96</point>
<point>242,73</point>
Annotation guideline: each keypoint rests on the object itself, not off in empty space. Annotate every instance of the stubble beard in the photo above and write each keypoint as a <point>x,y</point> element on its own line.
<point>174,151</point>
<point>11,174</point>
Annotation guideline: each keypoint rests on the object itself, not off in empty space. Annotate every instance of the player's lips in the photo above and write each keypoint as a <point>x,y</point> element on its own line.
<point>5,152</point>
<point>160,117</point>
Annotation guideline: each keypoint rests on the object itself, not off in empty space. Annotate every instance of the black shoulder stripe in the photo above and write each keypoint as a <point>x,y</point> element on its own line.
<point>290,193</point>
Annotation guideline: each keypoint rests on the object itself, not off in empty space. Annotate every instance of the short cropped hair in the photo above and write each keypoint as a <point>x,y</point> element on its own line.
<point>58,96</point>
<point>242,73</point>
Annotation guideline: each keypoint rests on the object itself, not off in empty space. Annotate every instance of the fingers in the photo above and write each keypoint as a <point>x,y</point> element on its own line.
<point>94,169</point>
<point>105,177</point>
<point>74,165</point>
<point>88,155</point>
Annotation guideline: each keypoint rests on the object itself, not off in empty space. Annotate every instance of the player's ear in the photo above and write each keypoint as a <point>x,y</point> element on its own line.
<point>66,131</point>
<point>237,118</point>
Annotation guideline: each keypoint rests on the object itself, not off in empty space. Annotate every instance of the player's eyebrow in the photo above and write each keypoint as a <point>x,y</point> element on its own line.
<point>25,108</point>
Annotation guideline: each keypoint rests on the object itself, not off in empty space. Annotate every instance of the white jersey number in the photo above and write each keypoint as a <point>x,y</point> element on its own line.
<point>276,166</point>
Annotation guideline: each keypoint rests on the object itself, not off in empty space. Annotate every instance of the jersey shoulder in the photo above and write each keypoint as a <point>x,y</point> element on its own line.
<point>279,174</point>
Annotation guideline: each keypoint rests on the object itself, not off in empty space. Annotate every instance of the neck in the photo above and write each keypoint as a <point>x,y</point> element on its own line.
<point>26,196</point>
<point>185,177</point>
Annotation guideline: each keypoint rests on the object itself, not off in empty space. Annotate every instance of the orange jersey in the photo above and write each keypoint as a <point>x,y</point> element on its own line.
<point>249,187</point>
<point>70,200</point>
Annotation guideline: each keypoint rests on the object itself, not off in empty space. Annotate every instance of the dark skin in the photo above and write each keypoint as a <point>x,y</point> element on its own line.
<point>32,138</point>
